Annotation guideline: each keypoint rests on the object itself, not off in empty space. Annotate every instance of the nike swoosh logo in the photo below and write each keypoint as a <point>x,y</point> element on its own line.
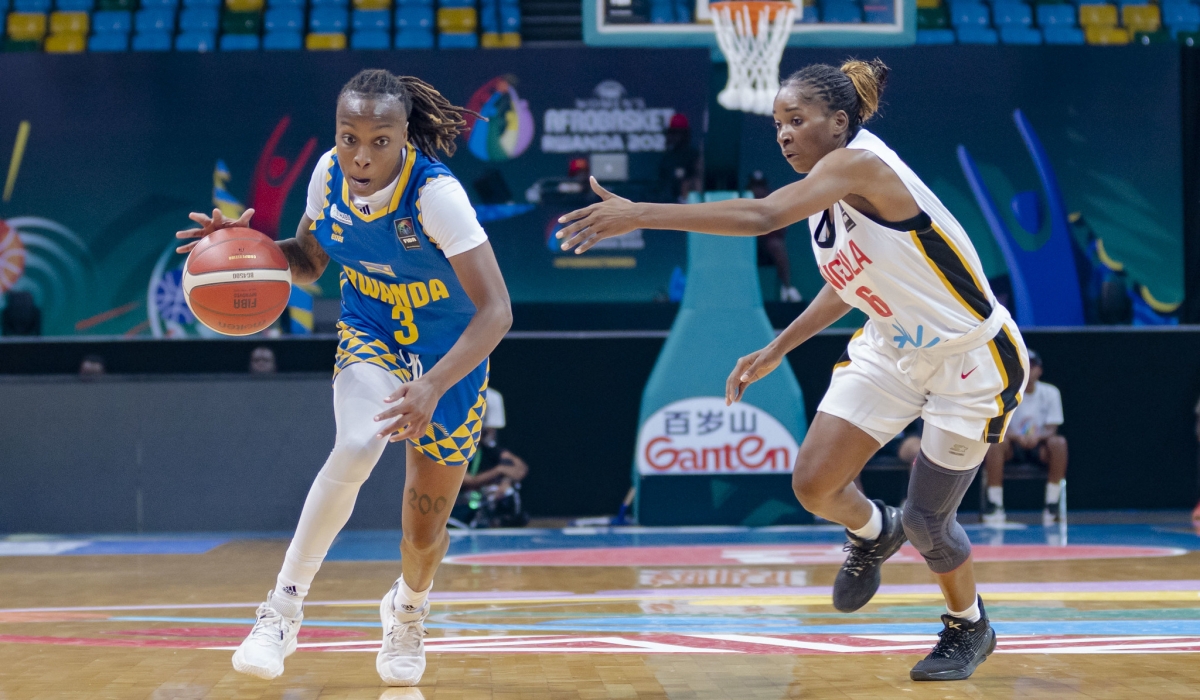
<point>969,373</point>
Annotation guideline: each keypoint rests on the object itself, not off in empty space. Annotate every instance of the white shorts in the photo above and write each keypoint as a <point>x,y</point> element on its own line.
<point>971,393</point>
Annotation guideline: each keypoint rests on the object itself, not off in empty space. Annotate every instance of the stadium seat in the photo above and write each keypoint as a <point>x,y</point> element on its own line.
<point>510,40</point>
<point>116,6</point>
<point>241,23</point>
<point>31,6</point>
<point>932,18</point>
<point>330,3</point>
<point>1180,14</point>
<point>683,11</point>
<point>457,20</point>
<point>328,20</point>
<point>841,12</point>
<point>458,40</point>
<point>971,34</point>
<point>301,4</point>
<point>199,19</point>
<point>1063,35</point>
<point>153,40</point>
<point>284,19</point>
<point>371,39</point>
<point>415,38</point>
<point>456,3</point>
<point>510,19</point>
<point>372,20</point>
<point>811,14</point>
<point>928,4</point>
<point>160,4</point>
<point>214,4</point>
<point>239,42</point>
<point>411,3</point>
<point>197,40</point>
<point>244,5</point>
<point>372,4</point>
<point>1106,36</point>
<point>1019,35</point>
<point>66,42</point>
<point>876,12</point>
<point>155,20</point>
<point>70,5</point>
<point>1011,14</point>
<point>489,16</point>
<point>1097,16</point>
<point>283,41</point>
<point>661,12</point>
<point>112,22</point>
<point>414,17</point>
<point>1143,19</point>
<point>69,23</point>
<point>1056,16</point>
<point>969,14</point>
<point>325,41</point>
<point>26,26</point>
<point>935,36</point>
<point>108,42</point>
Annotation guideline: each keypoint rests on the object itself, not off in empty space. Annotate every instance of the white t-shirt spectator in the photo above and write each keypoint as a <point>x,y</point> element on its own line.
<point>1039,408</point>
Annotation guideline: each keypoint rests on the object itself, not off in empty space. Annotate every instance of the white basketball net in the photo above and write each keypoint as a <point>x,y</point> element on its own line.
<point>753,52</point>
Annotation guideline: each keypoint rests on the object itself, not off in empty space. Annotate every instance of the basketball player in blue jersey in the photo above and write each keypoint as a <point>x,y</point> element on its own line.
<point>937,344</point>
<point>423,305</point>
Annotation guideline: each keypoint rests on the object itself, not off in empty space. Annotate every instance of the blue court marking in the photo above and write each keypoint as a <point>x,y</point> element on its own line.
<point>384,545</point>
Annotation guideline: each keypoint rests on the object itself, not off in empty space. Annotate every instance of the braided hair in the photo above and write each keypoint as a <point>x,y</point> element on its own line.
<point>433,122</point>
<point>854,88</point>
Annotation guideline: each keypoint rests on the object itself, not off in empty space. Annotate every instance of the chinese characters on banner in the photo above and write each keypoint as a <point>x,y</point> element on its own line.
<point>702,435</point>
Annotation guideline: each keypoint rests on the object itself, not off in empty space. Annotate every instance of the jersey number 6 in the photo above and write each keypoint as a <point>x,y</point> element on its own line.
<point>408,330</point>
<point>876,303</point>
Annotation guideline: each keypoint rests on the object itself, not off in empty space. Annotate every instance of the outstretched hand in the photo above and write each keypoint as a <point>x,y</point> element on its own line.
<point>613,216</point>
<point>210,224</point>
<point>750,369</point>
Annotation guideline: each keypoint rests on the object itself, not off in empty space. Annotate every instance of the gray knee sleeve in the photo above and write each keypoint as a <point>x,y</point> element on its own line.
<point>929,515</point>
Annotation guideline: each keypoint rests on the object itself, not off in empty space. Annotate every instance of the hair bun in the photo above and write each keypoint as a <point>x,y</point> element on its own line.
<point>869,78</point>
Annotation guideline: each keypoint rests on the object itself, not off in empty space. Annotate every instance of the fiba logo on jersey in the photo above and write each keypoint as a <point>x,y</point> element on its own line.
<point>407,235</point>
<point>702,435</point>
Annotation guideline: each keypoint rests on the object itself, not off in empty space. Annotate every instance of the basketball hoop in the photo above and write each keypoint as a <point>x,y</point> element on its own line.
<point>752,34</point>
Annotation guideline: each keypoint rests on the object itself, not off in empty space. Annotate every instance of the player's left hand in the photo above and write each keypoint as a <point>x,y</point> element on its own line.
<point>414,405</point>
<point>613,216</point>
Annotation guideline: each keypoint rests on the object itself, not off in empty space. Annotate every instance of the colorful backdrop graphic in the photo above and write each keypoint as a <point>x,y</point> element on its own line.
<point>99,194</point>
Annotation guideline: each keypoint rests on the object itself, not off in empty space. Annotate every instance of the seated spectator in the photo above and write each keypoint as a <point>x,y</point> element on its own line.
<point>1032,437</point>
<point>21,316</point>
<point>772,247</point>
<point>491,490</point>
<point>91,366</point>
<point>262,360</point>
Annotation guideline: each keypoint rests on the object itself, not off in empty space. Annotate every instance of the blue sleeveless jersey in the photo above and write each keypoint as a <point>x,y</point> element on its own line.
<point>397,286</point>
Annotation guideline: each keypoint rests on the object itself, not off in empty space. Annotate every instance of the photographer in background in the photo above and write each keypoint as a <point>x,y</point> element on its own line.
<point>491,490</point>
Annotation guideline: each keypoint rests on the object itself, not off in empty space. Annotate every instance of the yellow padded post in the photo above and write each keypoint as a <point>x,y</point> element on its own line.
<point>1106,36</point>
<point>68,23</point>
<point>1141,18</point>
<point>68,42</point>
<point>1097,16</point>
<point>325,42</point>
<point>26,26</point>
<point>457,19</point>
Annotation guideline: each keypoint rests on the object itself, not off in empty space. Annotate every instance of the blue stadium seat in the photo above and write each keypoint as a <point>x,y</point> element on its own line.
<point>414,17</point>
<point>810,14</point>
<point>451,40</point>
<point>152,41</point>
<point>108,42</point>
<point>199,19</point>
<point>402,3</point>
<point>326,20</point>
<point>72,5</point>
<point>1180,16</point>
<point>371,39</point>
<point>239,42</point>
<point>935,36</point>
<point>1063,35</point>
<point>160,4</point>
<point>841,12</point>
<point>156,19</point>
<point>1056,16</point>
<point>283,41</point>
<point>1011,14</point>
<point>489,17</point>
<point>330,3</point>
<point>972,34</point>
<point>416,38</point>
<point>1010,34</point>
<point>201,41</point>
<point>878,16</point>
<point>284,19</point>
<point>662,11</point>
<point>287,3</point>
<point>510,17</point>
<point>969,14</point>
<point>456,3</point>
<point>683,11</point>
<point>372,20</point>
<point>112,22</point>
<point>42,6</point>
<point>202,3</point>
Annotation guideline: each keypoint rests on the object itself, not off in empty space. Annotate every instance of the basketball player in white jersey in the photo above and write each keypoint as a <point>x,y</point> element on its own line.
<point>937,344</point>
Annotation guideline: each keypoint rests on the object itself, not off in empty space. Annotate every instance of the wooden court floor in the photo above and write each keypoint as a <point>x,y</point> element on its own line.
<point>161,625</point>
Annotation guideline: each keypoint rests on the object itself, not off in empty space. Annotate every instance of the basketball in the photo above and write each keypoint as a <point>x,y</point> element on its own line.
<point>237,281</point>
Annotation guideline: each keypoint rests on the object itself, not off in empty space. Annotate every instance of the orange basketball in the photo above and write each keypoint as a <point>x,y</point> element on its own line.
<point>237,281</point>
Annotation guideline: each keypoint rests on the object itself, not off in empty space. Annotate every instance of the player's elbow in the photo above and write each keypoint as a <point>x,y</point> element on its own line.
<point>500,313</point>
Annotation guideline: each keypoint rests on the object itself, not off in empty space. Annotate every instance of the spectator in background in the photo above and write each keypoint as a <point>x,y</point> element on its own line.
<point>1032,437</point>
<point>1196,512</point>
<point>262,360</point>
<point>21,316</point>
<point>91,366</point>
<point>491,490</point>
<point>772,248</point>
<point>679,169</point>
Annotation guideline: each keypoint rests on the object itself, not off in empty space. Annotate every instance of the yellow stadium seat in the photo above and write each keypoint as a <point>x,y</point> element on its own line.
<point>1097,16</point>
<point>68,42</point>
<point>325,42</point>
<point>244,5</point>
<point>68,23</point>
<point>457,19</point>
<point>1106,36</point>
<point>1141,18</point>
<point>26,26</point>
<point>928,4</point>
<point>372,4</point>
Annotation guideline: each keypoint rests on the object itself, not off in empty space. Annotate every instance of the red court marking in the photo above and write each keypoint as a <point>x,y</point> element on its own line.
<point>742,554</point>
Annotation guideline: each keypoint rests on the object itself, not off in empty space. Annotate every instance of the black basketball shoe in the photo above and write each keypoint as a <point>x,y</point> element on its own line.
<point>961,646</point>
<point>858,580</point>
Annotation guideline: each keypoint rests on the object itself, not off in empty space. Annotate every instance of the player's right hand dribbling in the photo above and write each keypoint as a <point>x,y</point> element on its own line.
<point>750,369</point>
<point>209,224</point>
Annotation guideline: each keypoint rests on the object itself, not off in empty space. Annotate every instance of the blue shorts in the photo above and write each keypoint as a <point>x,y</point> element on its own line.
<point>453,434</point>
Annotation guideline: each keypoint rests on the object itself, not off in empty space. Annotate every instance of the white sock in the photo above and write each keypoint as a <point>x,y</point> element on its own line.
<point>996,496</point>
<point>874,526</point>
<point>286,604</point>
<point>1053,488</point>
<point>971,614</point>
<point>409,601</point>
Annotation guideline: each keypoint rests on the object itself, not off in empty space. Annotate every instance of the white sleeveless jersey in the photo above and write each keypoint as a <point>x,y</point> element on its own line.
<point>921,286</point>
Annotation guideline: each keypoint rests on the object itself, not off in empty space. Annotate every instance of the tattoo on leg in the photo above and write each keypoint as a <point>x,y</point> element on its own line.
<point>412,498</point>
<point>439,505</point>
<point>425,504</point>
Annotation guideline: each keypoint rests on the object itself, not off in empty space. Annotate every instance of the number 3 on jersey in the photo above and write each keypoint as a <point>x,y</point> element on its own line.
<point>408,330</point>
<point>867,295</point>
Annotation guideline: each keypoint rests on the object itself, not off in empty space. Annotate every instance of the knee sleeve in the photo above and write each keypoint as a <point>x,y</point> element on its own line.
<point>934,494</point>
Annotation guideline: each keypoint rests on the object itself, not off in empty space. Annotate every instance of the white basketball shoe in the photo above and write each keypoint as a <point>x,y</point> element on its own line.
<point>401,659</point>
<point>272,640</point>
